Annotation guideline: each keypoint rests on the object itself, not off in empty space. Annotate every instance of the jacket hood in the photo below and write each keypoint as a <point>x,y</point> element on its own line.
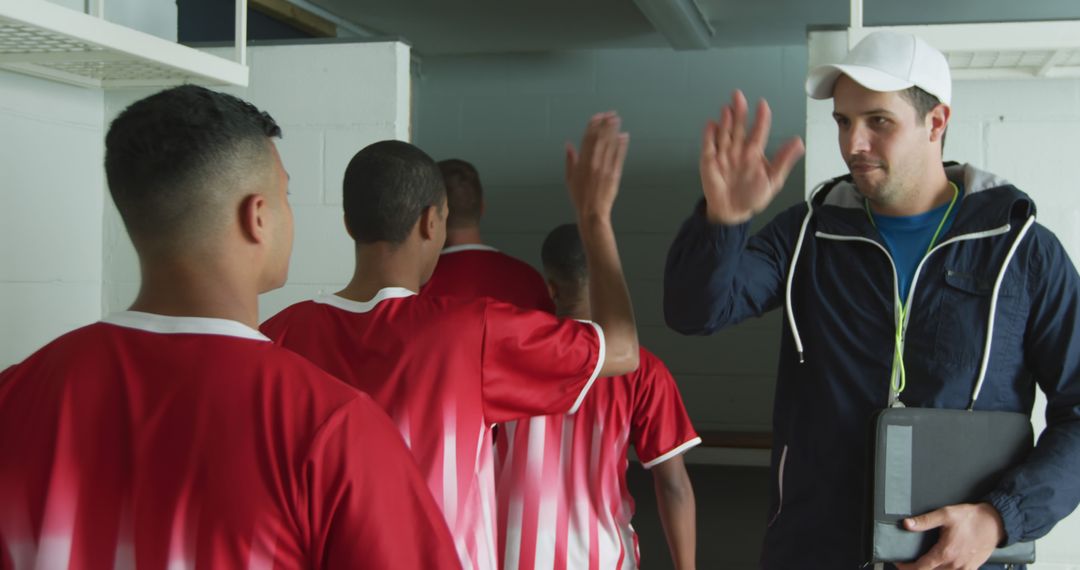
<point>998,200</point>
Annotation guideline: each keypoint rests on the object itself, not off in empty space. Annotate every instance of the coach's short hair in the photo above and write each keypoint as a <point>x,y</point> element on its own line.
<point>171,159</point>
<point>387,186</point>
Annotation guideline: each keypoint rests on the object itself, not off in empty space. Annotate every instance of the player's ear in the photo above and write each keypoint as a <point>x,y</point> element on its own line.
<point>553,290</point>
<point>253,220</point>
<point>348,230</point>
<point>429,222</point>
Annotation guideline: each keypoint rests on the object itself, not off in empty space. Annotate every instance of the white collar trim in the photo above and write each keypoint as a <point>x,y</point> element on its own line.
<point>364,306</point>
<point>164,324</point>
<point>467,247</point>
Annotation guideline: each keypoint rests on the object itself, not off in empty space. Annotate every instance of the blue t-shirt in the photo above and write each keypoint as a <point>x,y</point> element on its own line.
<point>908,238</point>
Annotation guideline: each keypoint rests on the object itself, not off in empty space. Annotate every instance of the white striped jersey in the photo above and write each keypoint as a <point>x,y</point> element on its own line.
<point>561,479</point>
<point>446,370</point>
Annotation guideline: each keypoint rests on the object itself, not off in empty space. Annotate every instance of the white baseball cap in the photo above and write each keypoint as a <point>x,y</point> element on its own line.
<point>887,61</point>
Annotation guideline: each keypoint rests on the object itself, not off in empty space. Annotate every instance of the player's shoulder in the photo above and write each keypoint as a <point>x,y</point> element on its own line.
<point>517,264</point>
<point>302,309</point>
<point>71,348</point>
<point>447,307</point>
<point>282,370</point>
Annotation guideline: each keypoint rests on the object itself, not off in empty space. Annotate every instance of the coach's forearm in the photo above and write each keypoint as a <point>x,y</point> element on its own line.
<point>609,297</point>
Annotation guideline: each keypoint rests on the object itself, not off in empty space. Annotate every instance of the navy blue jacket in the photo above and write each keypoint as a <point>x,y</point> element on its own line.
<point>826,264</point>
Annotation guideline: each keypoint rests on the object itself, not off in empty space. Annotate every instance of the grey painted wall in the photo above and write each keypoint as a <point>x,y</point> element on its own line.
<point>511,114</point>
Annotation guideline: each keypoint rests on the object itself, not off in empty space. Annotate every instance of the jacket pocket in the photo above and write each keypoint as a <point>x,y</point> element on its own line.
<point>963,314</point>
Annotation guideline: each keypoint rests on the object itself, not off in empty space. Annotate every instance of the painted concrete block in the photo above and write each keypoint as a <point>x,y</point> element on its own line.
<point>1016,100</point>
<point>322,249</point>
<point>504,119</point>
<point>641,71</point>
<point>49,101</point>
<point>51,219</point>
<point>736,351</point>
<point>336,84</point>
<point>438,121</point>
<point>33,314</point>
<point>757,71</point>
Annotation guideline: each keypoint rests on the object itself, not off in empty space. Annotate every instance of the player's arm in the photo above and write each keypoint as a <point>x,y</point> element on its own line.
<point>593,179</point>
<point>675,500</point>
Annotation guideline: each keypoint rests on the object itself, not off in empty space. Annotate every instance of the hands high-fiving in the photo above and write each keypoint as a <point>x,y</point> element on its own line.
<point>593,177</point>
<point>736,177</point>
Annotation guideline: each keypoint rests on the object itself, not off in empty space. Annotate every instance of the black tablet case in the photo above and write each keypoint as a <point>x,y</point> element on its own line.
<point>925,459</point>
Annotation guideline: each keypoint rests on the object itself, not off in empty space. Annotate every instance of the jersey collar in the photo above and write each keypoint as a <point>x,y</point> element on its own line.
<point>364,306</point>
<point>467,247</point>
<point>163,324</point>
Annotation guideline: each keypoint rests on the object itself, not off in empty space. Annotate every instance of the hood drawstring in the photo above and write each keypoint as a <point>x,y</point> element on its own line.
<point>791,271</point>
<point>993,309</point>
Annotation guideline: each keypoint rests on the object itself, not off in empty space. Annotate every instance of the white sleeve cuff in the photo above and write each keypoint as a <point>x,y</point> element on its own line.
<point>596,371</point>
<point>677,451</point>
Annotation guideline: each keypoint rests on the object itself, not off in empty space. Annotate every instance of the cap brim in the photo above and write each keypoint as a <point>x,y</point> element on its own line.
<point>821,79</point>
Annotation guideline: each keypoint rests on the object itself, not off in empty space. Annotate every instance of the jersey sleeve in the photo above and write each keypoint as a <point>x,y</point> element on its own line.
<point>366,500</point>
<point>536,364</point>
<point>660,427</point>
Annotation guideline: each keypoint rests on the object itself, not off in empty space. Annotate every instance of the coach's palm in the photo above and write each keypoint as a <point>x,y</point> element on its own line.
<point>736,177</point>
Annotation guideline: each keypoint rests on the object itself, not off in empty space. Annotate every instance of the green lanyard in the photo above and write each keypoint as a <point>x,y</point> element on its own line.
<point>899,375</point>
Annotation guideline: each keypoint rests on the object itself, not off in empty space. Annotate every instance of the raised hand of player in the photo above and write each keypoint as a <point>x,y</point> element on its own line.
<point>593,177</point>
<point>736,177</point>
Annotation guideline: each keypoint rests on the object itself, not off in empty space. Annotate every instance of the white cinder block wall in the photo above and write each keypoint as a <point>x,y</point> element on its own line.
<point>331,100</point>
<point>511,114</point>
<point>52,195</point>
<point>1027,131</point>
<point>51,191</point>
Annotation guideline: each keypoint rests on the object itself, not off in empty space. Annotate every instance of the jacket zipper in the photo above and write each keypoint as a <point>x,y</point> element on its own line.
<point>902,326</point>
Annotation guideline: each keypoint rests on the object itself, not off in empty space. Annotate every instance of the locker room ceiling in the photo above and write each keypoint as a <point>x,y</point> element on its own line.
<point>443,27</point>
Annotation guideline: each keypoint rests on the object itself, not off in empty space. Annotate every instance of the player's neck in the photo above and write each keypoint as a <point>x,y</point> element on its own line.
<point>379,266</point>
<point>197,289</point>
<point>463,236</point>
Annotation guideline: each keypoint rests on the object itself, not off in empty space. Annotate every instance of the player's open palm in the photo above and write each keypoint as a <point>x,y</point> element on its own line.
<point>736,177</point>
<point>593,176</point>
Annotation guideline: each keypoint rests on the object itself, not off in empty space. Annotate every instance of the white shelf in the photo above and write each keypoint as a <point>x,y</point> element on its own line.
<point>1012,50</point>
<point>49,41</point>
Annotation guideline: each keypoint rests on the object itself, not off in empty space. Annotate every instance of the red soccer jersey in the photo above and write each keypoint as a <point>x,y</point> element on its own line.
<point>561,480</point>
<point>471,271</point>
<point>178,442</point>
<point>446,370</point>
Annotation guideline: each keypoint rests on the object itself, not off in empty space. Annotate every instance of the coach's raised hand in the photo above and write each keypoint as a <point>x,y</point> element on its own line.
<point>736,177</point>
<point>593,179</point>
